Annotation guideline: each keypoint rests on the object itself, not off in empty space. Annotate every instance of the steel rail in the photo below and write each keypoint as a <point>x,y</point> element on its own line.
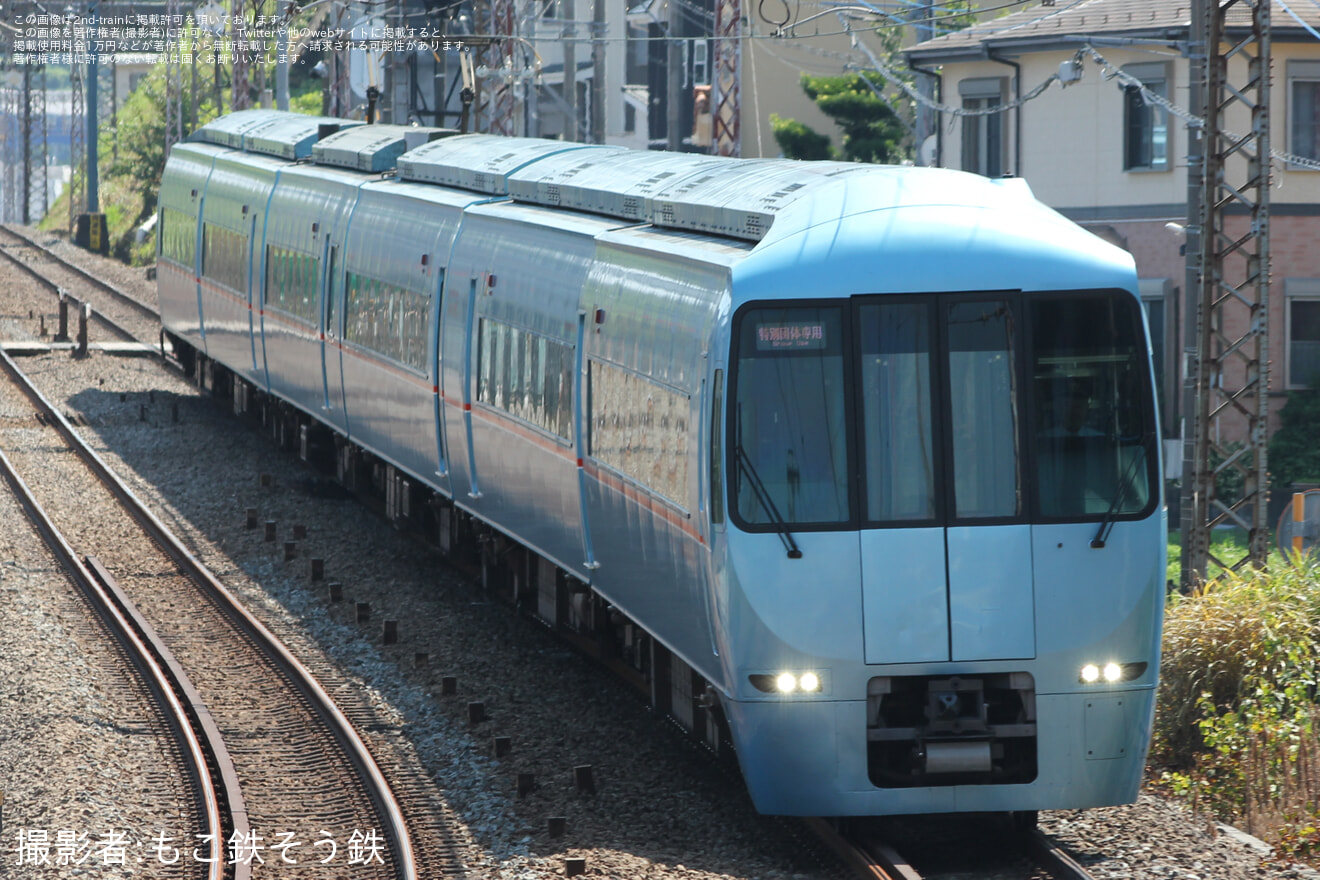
<point>345,734</point>
<point>158,669</point>
<point>874,859</point>
<point>114,292</point>
<point>858,859</point>
<point>61,292</point>
<point>1052,857</point>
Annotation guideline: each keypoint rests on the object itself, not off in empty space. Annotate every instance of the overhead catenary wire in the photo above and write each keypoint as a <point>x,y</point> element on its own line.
<point>912,93</point>
<point>1152,97</point>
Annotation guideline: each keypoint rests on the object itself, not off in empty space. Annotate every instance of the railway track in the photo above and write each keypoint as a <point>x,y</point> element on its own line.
<point>117,312</point>
<point>960,847</point>
<point>298,765</point>
<point>184,735</point>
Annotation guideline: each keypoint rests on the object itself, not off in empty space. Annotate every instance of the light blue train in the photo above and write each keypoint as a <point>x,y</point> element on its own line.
<point>853,468</point>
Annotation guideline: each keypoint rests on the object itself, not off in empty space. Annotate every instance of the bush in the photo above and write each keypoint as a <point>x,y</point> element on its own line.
<point>1236,712</point>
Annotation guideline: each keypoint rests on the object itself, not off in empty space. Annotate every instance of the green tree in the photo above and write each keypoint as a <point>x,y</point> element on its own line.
<point>872,131</point>
<point>799,141</point>
<point>1294,453</point>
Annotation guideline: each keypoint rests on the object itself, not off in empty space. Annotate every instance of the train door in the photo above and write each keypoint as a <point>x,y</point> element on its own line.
<point>905,580</point>
<point>255,290</point>
<point>988,539</point>
<point>946,556</point>
<point>332,391</point>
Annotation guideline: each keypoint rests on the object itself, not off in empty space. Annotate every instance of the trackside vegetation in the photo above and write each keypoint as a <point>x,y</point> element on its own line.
<point>1237,722</point>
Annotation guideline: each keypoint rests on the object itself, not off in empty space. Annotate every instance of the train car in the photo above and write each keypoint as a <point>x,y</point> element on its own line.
<point>853,468</point>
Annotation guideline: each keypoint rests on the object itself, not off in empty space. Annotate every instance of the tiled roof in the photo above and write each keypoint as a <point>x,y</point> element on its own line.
<point>1161,19</point>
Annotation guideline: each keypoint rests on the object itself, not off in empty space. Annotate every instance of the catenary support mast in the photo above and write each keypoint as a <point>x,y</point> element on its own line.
<point>1228,368</point>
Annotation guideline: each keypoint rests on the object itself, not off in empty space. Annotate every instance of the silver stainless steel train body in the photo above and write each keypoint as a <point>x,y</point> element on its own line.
<point>868,454</point>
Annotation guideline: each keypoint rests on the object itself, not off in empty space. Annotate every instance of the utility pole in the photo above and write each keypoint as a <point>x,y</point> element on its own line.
<point>239,38</point>
<point>1231,362</point>
<point>40,180</point>
<point>26,136</point>
<point>673,78</point>
<point>1197,52</point>
<point>921,17</point>
<point>92,171</point>
<point>598,71</point>
<point>503,96</point>
<point>726,110</point>
<point>568,12</point>
<point>77,141</point>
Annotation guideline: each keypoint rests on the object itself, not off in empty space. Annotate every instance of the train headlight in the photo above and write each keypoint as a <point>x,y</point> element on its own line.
<point>1111,672</point>
<point>785,682</point>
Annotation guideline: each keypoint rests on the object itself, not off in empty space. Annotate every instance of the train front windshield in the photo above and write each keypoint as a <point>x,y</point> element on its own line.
<point>914,411</point>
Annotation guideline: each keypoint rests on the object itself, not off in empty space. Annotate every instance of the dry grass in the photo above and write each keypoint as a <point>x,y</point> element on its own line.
<point>1237,710</point>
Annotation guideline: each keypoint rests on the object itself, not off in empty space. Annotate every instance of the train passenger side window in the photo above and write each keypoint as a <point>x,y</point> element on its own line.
<point>983,399</point>
<point>291,280</point>
<point>224,256</point>
<point>178,237</point>
<point>896,395</point>
<point>527,375</point>
<point>1095,439</point>
<point>387,319</point>
<point>639,428</point>
<point>790,443</point>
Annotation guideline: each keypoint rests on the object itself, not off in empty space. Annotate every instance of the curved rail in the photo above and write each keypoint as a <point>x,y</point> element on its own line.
<point>160,673</point>
<point>347,737</point>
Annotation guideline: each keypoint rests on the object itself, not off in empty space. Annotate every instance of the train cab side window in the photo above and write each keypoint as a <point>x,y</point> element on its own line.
<point>789,451</point>
<point>896,395</point>
<point>716,472</point>
<point>983,399</point>
<point>1095,438</point>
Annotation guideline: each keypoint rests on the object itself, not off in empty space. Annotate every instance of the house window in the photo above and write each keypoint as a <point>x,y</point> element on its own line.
<point>1304,109</point>
<point>700,63</point>
<point>1303,328</point>
<point>983,145</point>
<point>1145,123</point>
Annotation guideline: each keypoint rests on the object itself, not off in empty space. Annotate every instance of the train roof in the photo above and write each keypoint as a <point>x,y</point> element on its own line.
<point>270,132</point>
<point>373,148</point>
<point>713,195</point>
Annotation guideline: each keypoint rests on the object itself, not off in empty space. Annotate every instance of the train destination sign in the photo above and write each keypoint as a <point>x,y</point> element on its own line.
<point>796,335</point>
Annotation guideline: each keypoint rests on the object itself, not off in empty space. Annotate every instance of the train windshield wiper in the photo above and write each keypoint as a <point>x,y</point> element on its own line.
<point>767,503</point>
<point>1107,524</point>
